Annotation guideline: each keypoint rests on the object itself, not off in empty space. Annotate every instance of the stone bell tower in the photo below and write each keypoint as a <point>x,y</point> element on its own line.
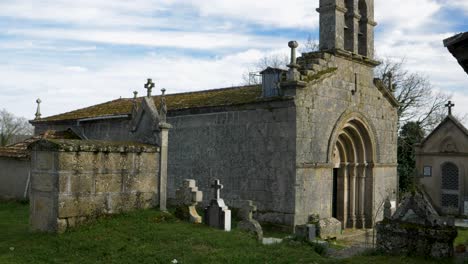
<point>347,25</point>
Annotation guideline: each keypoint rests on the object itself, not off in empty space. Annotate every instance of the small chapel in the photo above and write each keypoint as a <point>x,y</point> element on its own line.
<point>317,139</point>
<point>440,165</point>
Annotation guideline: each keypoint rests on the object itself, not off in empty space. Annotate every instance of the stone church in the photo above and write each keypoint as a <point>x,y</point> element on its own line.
<point>319,138</point>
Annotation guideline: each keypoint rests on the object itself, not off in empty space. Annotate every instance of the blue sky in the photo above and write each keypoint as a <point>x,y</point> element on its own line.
<point>73,54</point>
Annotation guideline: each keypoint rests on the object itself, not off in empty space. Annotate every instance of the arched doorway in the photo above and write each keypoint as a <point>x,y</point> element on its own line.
<point>353,158</point>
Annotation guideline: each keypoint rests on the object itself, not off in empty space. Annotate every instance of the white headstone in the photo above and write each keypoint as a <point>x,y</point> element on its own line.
<point>466,208</point>
<point>188,196</point>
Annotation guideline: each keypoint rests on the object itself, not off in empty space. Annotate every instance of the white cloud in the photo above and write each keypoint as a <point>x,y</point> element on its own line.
<point>171,39</point>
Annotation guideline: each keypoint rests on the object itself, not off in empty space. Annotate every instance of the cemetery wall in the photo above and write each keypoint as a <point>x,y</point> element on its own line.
<point>14,173</point>
<point>75,181</point>
<point>249,148</point>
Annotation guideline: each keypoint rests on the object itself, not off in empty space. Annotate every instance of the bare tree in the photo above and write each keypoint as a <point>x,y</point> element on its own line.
<point>11,126</point>
<point>414,92</point>
<point>310,45</point>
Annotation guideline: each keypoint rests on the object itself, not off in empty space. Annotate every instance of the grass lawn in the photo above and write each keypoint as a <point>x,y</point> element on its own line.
<point>462,237</point>
<point>150,237</point>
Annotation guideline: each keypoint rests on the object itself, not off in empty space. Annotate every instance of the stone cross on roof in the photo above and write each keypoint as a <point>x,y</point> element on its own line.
<point>149,86</point>
<point>449,105</point>
<point>38,110</point>
<point>217,186</point>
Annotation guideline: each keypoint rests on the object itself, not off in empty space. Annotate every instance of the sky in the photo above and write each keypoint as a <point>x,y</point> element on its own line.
<point>73,54</point>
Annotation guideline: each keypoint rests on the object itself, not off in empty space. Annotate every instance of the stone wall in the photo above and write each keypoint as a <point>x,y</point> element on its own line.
<point>14,174</point>
<point>76,181</point>
<point>250,148</point>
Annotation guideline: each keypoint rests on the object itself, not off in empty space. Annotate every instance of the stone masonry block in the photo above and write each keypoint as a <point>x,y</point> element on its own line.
<point>44,182</point>
<point>81,183</point>
<point>108,183</point>
<point>44,161</point>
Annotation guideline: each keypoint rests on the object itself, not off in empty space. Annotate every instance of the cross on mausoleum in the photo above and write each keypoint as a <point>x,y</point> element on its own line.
<point>217,186</point>
<point>149,86</point>
<point>449,105</point>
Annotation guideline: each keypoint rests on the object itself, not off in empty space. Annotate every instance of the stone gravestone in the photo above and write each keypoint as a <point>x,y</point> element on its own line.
<point>188,196</point>
<point>248,223</point>
<point>416,229</point>
<point>217,214</point>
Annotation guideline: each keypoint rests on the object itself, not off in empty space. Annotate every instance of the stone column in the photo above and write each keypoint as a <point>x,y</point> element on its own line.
<point>361,223</point>
<point>342,208</point>
<point>352,196</point>
<point>369,195</point>
<point>164,134</point>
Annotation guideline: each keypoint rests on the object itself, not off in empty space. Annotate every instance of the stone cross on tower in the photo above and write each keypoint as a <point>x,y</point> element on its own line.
<point>449,105</point>
<point>217,186</point>
<point>38,110</point>
<point>149,86</point>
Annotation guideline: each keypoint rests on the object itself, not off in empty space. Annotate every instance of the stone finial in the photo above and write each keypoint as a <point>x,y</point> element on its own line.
<point>387,209</point>
<point>450,105</point>
<point>135,94</point>
<point>217,186</point>
<point>38,110</point>
<point>163,110</point>
<point>293,45</point>
<point>293,73</point>
<point>248,223</point>
<point>149,86</point>
<point>188,196</point>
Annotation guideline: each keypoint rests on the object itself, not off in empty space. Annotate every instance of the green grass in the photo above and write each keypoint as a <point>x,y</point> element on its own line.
<point>150,237</point>
<point>462,237</point>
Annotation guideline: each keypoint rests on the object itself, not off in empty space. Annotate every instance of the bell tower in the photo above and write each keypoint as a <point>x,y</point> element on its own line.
<point>347,25</point>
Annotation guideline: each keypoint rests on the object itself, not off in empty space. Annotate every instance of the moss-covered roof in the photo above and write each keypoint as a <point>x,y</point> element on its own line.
<point>208,98</point>
<point>20,150</point>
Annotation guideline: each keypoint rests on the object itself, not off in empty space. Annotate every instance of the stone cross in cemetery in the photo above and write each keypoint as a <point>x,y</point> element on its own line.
<point>149,86</point>
<point>449,105</point>
<point>217,214</point>
<point>188,196</point>
<point>248,223</point>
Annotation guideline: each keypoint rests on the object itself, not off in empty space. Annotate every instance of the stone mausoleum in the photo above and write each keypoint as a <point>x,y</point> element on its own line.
<point>319,138</point>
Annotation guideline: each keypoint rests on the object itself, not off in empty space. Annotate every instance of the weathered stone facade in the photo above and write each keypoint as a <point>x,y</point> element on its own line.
<point>75,181</point>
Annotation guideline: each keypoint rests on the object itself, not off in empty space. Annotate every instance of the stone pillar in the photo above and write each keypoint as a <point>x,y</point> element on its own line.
<point>342,206</point>
<point>369,196</point>
<point>352,196</point>
<point>332,23</point>
<point>361,221</point>
<point>164,134</point>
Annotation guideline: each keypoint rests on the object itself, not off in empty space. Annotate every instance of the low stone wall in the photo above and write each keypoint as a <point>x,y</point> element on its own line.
<point>413,239</point>
<point>75,181</point>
